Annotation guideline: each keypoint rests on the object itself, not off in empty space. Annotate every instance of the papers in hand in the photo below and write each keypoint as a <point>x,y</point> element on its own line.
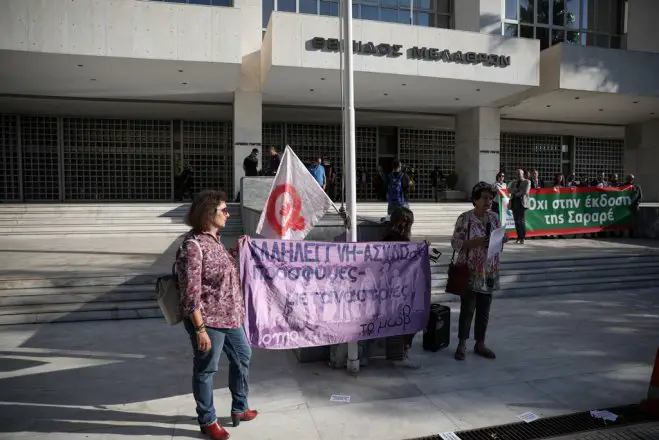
<point>340,398</point>
<point>604,415</point>
<point>496,242</point>
<point>528,417</point>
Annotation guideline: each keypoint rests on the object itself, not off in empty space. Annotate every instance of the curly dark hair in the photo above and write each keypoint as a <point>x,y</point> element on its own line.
<point>203,209</point>
<point>401,221</point>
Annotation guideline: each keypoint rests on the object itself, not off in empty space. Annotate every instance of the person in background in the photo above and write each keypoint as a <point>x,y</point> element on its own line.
<point>559,181</point>
<point>527,175</point>
<point>535,180</point>
<point>600,181</point>
<point>500,184</point>
<point>519,203</point>
<point>317,170</point>
<point>637,198</point>
<point>251,164</point>
<point>330,174</point>
<point>471,240</point>
<point>614,181</point>
<point>213,309</point>
<point>400,229</point>
<point>436,177</point>
<point>572,181</point>
<point>398,184</point>
<point>275,161</point>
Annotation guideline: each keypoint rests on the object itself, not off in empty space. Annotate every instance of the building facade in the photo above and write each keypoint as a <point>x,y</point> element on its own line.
<point>109,100</point>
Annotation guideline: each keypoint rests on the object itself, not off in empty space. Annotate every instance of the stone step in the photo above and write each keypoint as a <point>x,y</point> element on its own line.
<point>80,312</point>
<point>50,230</point>
<point>76,295</point>
<point>90,280</point>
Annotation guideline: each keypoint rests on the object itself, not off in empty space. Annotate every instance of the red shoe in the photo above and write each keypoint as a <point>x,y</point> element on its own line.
<point>215,432</point>
<point>248,415</point>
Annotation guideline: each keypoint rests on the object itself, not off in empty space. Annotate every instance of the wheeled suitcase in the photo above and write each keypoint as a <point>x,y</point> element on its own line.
<point>437,334</point>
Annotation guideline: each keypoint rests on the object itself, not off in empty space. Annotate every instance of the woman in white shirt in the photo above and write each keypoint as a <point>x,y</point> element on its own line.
<point>499,185</point>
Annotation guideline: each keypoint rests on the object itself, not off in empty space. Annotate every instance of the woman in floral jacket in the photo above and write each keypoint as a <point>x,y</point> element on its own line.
<point>470,240</point>
<point>213,306</point>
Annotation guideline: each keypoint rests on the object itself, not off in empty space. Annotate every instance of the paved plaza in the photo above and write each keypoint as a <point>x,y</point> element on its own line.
<point>131,379</point>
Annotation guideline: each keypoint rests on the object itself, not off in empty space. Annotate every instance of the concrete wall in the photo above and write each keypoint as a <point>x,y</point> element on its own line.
<point>477,146</point>
<point>483,16</point>
<point>123,28</point>
<point>643,26</point>
<point>642,157</point>
<point>597,69</point>
<point>292,32</point>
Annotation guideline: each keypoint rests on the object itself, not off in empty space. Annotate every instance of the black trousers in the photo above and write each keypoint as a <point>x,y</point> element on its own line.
<point>469,303</point>
<point>519,214</point>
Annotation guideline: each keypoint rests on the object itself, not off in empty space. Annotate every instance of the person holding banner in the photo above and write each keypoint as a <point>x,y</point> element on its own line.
<point>213,308</point>
<point>400,229</point>
<point>471,240</point>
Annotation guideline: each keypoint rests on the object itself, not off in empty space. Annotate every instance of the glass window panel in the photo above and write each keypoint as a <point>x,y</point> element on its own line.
<point>510,30</point>
<point>422,19</point>
<point>572,13</point>
<point>228,3</point>
<point>329,8</point>
<point>602,16</point>
<point>390,15</point>
<point>526,31</point>
<point>543,11</point>
<point>602,40</point>
<point>511,9</point>
<point>588,39</point>
<point>542,34</point>
<point>389,2</point>
<point>587,14</point>
<point>573,37</point>
<point>443,21</point>
<point>404,17</point>
<point>199,2</point>
<point>444,6</point>
<point>355,10</point>
<point>286,5</point>
<point>526,11</point>
<point>558,14</point>
<point>268,6</point>
<point>425,5</point>
<point>557,36</point>
<point>308,6</point>
<point>369,12</point>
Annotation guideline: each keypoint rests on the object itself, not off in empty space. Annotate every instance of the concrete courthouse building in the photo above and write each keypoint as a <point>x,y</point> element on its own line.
<point>107,100</point>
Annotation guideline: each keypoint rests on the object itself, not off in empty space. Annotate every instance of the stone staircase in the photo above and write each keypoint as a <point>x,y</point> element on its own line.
<point>105,219</point>
<point>91,298</point>
<point>61,263</point>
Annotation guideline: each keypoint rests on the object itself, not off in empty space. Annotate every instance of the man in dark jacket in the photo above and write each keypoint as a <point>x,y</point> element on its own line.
<point>398,183</point>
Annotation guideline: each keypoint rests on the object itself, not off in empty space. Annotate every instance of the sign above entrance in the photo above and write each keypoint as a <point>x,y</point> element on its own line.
<point>388,50</point>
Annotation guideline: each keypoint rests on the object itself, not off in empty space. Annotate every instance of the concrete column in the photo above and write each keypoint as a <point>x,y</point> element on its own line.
<point>247,101</point>
<point>642,29</point>
<point>247,131</point>
<point>477,137</point>
<point>483,16</point>
<point>642,156</point>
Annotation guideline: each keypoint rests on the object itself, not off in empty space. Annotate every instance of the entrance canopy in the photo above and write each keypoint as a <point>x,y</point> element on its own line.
<point>582,84</point>
<point>396,67</point>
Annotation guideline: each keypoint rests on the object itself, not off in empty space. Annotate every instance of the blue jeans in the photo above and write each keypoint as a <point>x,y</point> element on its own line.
<point>233,342</point>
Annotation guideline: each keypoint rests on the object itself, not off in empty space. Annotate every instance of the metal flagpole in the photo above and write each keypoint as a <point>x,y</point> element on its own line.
<point>350,171</point>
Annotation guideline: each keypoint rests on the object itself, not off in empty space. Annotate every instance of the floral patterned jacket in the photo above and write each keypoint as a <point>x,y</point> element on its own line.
<point>479,269</point>
<point>210,282</point>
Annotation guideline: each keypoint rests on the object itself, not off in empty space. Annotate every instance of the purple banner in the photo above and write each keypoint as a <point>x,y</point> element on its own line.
<point>304,293</point>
